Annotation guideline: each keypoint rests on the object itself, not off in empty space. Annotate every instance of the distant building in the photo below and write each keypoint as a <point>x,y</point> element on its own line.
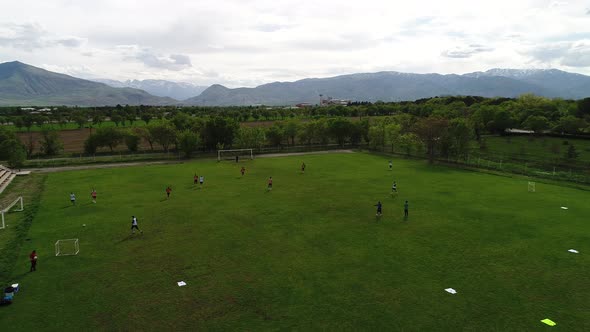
<point>303,105</point>
<point>331,101</point>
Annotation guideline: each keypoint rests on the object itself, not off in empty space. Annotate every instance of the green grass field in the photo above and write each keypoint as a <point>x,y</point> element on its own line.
<point>310,254</point>
<point>544,148</point>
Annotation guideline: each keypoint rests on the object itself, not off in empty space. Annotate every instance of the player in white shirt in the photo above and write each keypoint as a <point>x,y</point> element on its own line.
<point>201,180</point>
<point>73,198</point>
<point>134,225</point>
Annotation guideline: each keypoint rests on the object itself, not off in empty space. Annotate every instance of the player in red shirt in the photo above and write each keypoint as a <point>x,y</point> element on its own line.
<point>243,170</point>
<point>196,179</point>
<point>168,191</point>
<point>269,183</point>
<point>93,194</point>
<point>33,258</point>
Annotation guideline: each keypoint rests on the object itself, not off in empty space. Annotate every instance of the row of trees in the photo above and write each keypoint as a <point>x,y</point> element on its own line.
<point>488,115</point>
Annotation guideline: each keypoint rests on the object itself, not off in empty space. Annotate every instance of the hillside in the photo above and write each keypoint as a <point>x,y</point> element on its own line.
<point>22,84</point>
<point>395,86</point>
<point>160,88</point>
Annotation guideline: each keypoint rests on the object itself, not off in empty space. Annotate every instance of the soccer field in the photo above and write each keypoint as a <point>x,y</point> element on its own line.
<point>308,255</point>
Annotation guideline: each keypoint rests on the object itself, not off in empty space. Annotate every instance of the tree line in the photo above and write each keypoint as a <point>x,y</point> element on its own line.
<point>438,127</point>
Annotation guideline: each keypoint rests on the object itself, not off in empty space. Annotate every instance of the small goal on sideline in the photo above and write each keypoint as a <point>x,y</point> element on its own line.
<point>232,154</point>
<point>532,187</point>
<point>67,247</point>
<point>19,202</point>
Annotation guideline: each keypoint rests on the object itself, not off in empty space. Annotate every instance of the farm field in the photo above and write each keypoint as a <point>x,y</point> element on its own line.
<point>308,255</point>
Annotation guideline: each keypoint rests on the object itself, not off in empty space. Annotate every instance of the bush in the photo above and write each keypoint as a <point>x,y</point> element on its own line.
<point>132,141</point>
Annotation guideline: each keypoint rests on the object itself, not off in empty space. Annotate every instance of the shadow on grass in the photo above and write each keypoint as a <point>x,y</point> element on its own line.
<point>130,237</point>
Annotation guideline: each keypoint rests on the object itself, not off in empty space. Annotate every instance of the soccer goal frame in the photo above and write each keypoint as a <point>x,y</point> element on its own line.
<point>233,153</point>
<point>4,211</point>
<point>532,187</point>
<point>58,249</point>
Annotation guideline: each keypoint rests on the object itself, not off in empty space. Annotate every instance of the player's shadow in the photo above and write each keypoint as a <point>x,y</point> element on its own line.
<point>130,237</point>
<point>67,206</point>
<point>405,218</point>
<point>164,199</point>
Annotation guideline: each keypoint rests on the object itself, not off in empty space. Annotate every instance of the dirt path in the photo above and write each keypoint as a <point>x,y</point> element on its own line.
<point>115,165</point>
<point>95,166</point>
<point>272,155</point>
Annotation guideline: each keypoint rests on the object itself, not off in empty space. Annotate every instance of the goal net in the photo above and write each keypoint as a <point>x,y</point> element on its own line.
<point>232,154</point>
<point>532,187</point>
<point>67,247</point>
<point>20,207</point>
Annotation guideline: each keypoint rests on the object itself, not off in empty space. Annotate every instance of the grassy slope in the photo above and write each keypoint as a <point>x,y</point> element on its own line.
<point>538,148</point>
<point>17,223</point>
<point>309,254</point>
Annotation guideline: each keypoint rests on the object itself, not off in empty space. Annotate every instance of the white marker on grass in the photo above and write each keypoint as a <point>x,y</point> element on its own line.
<point>573,251</point>
<point>181,283</point>
<point>564,208</point>
<point>450,290</point>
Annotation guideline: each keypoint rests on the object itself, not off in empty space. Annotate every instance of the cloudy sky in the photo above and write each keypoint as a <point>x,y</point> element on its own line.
<point>250,42</point>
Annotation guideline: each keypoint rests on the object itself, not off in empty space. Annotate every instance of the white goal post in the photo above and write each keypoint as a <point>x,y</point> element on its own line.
<point>67,247</point>
<point>231,154</point>
<point>532,188</point>
<point>4,211</point>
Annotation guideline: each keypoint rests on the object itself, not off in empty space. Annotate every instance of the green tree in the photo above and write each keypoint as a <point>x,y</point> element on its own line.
<point>536,123</point>
<point>340,129</point>
<point>219,130</point>
<point>163,133</point>
<point>117,119</point>
<point>291,129</point>
<point>431,131</point>
<point>276,134</point>
<point>188,142</point>
<point>132,141</point>
<point>571,153</point>
<point>17,156</point>
<point>50,143</point>
<point>109,136</point>
<point>570,125</point>
<point>146,117</point>
<point>80,119</point>
<point>91,144</point>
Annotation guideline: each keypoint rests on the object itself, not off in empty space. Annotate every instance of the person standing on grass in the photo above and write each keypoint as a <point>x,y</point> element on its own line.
<point>394,188</point>
<point>33,258</point>
<point>134,225</point>
<point>73,198</point>
<point>243,170</point>
<point>406,206</point>
<point>93,195</point>
<point>379,208</point>
<point>303,168</point>
<point>237,159</point>
<point>269,187</point>
<point>195,179</point>
<point>168,191</point>
<point>390,165</point>
<point>201,180</point>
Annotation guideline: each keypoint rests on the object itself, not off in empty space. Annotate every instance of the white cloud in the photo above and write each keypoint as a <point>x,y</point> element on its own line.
<point>238,42</point>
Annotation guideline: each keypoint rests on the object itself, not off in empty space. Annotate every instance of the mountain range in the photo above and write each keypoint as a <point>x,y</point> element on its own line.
<point>22,84</point>
<point>160,88</point>
<point>396,86</point>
